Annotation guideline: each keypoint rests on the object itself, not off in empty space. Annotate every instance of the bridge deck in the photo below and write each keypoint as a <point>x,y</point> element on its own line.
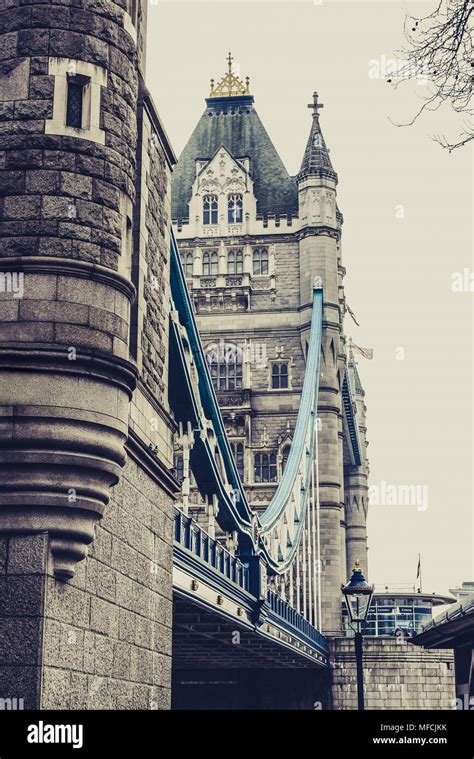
<point>203,638</point>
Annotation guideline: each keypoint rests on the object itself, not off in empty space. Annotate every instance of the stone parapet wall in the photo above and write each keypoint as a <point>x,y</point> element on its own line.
<point>396,675</point>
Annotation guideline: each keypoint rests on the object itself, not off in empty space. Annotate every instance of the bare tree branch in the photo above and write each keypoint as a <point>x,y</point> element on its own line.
<point>439,54</point>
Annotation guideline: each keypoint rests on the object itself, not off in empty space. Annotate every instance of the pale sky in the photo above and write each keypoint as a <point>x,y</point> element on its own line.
<point>399,270</point>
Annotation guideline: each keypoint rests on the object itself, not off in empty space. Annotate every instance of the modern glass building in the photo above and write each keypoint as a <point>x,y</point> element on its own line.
<point>393,614</point>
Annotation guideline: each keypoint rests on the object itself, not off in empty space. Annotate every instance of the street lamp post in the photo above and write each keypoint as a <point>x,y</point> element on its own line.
<point>358,595</point>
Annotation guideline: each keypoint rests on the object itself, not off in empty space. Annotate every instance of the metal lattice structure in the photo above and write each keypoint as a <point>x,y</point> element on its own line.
<point>263,569</point>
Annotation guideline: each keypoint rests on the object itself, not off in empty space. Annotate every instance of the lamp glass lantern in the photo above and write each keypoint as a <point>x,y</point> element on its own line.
<point>358,596</point>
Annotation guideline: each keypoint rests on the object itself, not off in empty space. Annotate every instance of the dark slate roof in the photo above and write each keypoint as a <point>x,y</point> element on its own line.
<point>234,123</point>
<point>316,161</point>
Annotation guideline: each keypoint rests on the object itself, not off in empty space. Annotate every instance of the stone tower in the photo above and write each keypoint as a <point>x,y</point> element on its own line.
<point>253,240</point>
<point>70,82</point>
<point>319,255</point>
<point>84,306</point>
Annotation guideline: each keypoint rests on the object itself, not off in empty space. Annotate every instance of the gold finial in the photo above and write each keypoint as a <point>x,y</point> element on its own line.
<point>357,566</point>
<point>230,85</point>
<point>315,105</point>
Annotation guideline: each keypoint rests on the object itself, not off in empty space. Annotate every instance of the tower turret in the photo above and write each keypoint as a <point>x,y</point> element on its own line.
<point>319,217</point>
<point>356,481</point>
<point>69,154</point>
<point>320,230</point>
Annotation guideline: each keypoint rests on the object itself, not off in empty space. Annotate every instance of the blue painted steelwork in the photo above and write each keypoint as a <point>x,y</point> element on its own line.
<point>285,515</point>
<point>294,621</point>
<point>234,511</point>
<point>266,545</point>
<point>288,507</point>
<point>350,411</point>
<point>188,534</point>
<point>209,562</point>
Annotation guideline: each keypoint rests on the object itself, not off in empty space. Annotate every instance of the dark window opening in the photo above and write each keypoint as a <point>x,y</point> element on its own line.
<point>260,261</point>
<point>238,454</point>
<point>279,376</point>
<point>235,262</point>
<point>226,371</point>
<point>265,467</point>
<point>179,466</point>
<point>187,261</point>
<point>75,97</point>
<point>209,209</point>
<point>284,457</point>
<point>210,263</point>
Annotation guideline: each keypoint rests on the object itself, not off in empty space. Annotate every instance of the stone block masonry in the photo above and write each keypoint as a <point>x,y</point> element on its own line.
<point>102,640</point>
<point>396,675</point>
<point>86,507</point>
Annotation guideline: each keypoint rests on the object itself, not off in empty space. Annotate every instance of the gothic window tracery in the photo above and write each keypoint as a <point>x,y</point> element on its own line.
<point>235,205</point>
<point>235,262</point>
<point>209,209</point>
<point>210,263</point>
<point>279,379</point>
<point>260,261</point>
<point>226,369</point>
<point>187,260</point>
<point>265,467</point>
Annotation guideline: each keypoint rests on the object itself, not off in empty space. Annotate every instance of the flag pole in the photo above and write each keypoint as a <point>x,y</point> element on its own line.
<point>418,573</point>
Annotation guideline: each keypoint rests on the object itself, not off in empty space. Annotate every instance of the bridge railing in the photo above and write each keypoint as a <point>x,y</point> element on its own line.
<point>188,534</point>
<point>295,620</point>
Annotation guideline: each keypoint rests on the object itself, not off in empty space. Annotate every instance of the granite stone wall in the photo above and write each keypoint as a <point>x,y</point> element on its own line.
<point>87,498</point>
<point>396,675</point>
<point>102,640</point>
<point>107,633</point>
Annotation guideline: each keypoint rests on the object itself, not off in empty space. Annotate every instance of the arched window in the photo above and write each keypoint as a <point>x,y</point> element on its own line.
<point>279,376</point>
<point>209,209</point>
<point>225,367</point>
<point>235,262</point>
<point>235,205</point>
<point>238,454</point>
<point>284,457</point>
<point>210,263</point>
<point>265,467</point>
<point>187,261</point>
<point>260,261</point>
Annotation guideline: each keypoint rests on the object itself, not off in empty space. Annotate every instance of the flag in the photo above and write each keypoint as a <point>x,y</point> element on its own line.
<point>365,352</point>
<point>418,572</point>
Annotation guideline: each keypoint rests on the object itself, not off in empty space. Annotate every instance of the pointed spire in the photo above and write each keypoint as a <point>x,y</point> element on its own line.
<point>316,161</point>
